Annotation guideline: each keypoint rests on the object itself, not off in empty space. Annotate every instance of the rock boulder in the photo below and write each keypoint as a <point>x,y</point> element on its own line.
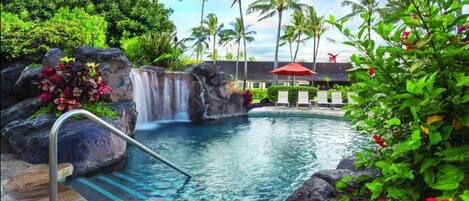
<point>21,110</point>
<point>314,189</point>
<point>52,57</point>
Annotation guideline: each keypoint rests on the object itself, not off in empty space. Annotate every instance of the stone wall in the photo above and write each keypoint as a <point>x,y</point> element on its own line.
<point>211,97</point>
<point>81,142</point>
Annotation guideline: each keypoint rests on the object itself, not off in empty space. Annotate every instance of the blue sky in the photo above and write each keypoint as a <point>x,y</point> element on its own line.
<point>187,15</point>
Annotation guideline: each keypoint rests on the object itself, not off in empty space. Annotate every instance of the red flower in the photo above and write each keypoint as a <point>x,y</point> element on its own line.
<point>379,141</point>
<point>45,96</point>
<point>461,29</point>
<point>381,199</point>
<point>446,199</point>
<point>104,89</point>
<point>371,71</point>
<point>55,78</point>
<point>61,66</point>
<point>408,47</point>
<point>405,35</point>
<point>414,16</point>
<point>431,199</point>
<point>332,58</point>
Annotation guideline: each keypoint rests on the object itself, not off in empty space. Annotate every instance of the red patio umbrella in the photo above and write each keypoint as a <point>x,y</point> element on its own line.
<point>293,69</point>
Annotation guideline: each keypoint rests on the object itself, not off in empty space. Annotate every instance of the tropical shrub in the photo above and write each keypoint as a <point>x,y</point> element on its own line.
<point>126,18</point>
<point>259,94</point>
<point>413,100</point>
<point>154,49</point>
<point>67,29</point>
<point>71,84</point>
<point>272,92</point>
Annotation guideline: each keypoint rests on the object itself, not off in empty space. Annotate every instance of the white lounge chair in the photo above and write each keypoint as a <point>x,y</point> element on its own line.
<point>282,98</point>
<point>350,98</point>
<point>303,99</point>
<point>322,98</point>
<point>337,99</point>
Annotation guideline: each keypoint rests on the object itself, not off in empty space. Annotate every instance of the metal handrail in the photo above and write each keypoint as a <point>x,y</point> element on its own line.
<point>53,146</point>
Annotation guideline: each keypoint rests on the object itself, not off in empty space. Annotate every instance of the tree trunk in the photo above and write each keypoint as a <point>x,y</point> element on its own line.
<point>291,52</point>
<point>297,46</point>
<point>244,45</point>
<point>237,62</point>
<point>201,28</point>
<point>277,43</point>
<point>214,50</point>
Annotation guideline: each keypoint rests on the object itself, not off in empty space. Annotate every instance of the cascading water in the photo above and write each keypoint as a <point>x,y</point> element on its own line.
<point>160,98</point>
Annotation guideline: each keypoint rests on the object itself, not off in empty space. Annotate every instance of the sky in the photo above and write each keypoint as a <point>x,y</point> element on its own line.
<point>186,15</point>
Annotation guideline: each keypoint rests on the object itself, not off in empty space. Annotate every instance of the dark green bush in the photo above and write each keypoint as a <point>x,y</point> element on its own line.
<point>272,92</point>
<point>100,109</point>
<point>67,29</point>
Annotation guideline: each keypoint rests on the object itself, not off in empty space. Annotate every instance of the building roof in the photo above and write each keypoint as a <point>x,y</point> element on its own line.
<point>260,70</point>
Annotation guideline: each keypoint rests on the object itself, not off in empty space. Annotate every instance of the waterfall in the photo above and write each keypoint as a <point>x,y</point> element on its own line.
<point>163,97</point>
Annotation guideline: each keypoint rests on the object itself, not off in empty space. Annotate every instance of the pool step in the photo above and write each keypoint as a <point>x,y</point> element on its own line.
<point>123,186</point>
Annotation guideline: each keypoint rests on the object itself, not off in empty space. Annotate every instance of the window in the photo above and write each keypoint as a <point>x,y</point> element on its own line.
<point>268,84</point>
<point>255,85</point>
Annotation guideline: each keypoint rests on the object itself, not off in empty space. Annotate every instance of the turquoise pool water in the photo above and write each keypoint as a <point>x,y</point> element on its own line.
<point>241,159</point>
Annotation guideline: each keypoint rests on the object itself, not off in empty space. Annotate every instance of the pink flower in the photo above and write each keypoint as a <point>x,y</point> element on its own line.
<point>104,89</point>
<point>461,29</point>
<point>405,35</point>
<point>332,57</point>
<point>45,96</point>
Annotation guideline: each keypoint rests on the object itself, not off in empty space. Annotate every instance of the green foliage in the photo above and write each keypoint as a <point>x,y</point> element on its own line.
<point>126,18</point>
<point>415,97</point>
<point>258,94</point>
<point>98,108</point>
<point>272,92</point>
<point>67,29</point>
<point>154,49</point>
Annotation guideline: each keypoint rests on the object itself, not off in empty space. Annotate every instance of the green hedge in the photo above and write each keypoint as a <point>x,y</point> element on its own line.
<point>272,92</point>
<point>258,94</point>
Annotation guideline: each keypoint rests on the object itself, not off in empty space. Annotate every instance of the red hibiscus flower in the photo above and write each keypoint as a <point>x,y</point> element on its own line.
<point>45,96</point>
<point>332,57</point>
<point>431,199</point>
<point>461,29</point>
<point>371,71</point>
<point>405,35</point>
<point>247,95</point>
<point>379,141</point>
<point>381,199</point>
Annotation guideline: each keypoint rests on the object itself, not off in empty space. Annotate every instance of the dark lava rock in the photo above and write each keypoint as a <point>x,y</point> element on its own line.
<point>314,189</point>
<point>21,110</point>
<point>115,68</point>
<point>127,116</point>
<point>220,78</point>
<point>52,57</point>
<point>204,69</point>
<point>347,163</point>
<point>159,70</point>
<point>26,126</point>
<point>9,75</point>
<point>85,144</point>
<point>334,175</point>
<point>24,86</point>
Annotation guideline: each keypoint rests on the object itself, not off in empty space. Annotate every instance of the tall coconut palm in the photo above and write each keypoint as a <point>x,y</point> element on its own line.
<point>314,30</point>
<point>213,29</point>
<point>298,27</point>
<point>236,35</point>
<point>268,9</point>
<point>367,7</point>
<point>288,37</point>
<point>201,21</point>
<point>240,6</point>
<point>200,38</point>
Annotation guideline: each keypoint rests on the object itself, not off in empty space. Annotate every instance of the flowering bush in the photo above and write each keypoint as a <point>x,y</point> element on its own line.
<point>247,96</point>
<point>413,100</point>
<point>71,84</point>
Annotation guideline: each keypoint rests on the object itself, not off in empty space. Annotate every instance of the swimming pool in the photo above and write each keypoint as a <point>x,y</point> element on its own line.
<point>259,158</point>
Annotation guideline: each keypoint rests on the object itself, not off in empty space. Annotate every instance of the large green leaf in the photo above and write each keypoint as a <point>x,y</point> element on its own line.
<point>447,177</point>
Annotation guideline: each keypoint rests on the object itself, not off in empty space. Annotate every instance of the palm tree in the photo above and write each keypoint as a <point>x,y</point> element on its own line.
<point>213,29</point>
<point>288,38</point>
<point>315,29</point>
<point>200,38</point>
<point>268,9</point>
<point>367,7</point>
<point>201,22</point>
<point>298,27</point>
<point>243,31</point>
<point>236,35</point>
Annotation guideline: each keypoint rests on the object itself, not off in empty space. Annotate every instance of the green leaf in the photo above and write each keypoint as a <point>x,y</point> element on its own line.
<point>465,195</point>
<point>393,122</point>
<point>331,19</point>
<point>376,187</point>
<point>454,154</point>
<point>464,81</point>
<point>435,137</point>
<point>447,177</point>
<point>429,162</point>
<point>410,86</point>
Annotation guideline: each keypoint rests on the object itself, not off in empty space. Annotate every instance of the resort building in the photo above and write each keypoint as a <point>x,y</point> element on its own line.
<point>259,75</point>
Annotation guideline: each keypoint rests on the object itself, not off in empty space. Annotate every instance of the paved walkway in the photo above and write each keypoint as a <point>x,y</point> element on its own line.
<point>293,111</point>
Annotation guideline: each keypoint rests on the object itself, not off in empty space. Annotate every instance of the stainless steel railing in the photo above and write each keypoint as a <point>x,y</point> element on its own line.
<point>53,146</point>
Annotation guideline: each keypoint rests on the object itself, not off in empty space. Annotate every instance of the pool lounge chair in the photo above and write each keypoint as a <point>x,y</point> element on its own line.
<point>350,98</point>
<point>337,99</point>
<point>282,98</point>
<point>322,99</point>
<point>303,99</point>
